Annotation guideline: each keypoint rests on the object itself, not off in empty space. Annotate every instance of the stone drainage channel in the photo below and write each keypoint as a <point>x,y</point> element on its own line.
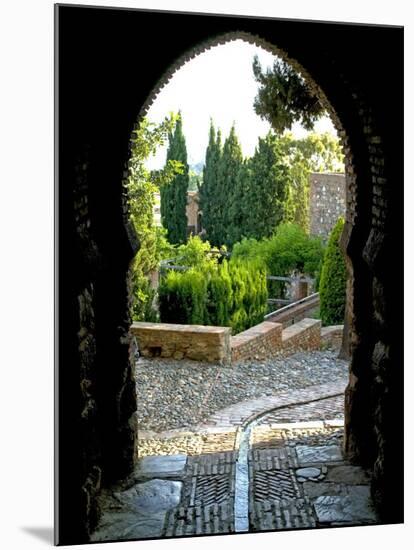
<point>241,489</point>
<point>279,469</point>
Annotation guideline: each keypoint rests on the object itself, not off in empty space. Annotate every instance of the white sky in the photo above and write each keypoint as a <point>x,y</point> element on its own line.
<point>218,83</point>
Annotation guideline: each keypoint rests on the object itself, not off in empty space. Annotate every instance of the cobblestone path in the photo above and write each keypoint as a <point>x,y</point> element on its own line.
<point>185,482</point>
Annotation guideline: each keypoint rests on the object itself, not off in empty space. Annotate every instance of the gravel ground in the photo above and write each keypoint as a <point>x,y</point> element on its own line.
<point>178,394</point>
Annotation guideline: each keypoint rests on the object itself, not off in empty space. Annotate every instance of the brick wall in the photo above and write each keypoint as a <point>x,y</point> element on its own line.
<point>196,342</point>
<point>332,336</point>
<point>257,342</point>
<point>305,335</point>
<point>269,338</point>
<point>327,202</point>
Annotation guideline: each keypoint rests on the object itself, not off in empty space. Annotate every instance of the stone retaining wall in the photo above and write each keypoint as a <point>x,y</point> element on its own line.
<point>214,344</point>
<point>305,335</point>
<point>332,336</point>
<point>257,342</point>
<point>197,342</point>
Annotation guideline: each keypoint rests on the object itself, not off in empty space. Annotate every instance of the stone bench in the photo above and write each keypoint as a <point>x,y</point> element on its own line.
<point>196,342</point>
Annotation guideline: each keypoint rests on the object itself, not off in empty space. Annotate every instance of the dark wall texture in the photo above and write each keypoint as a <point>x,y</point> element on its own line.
<point>108,63</point>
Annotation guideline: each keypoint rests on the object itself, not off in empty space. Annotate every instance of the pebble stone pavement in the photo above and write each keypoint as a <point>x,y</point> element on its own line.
<point>189,449</point>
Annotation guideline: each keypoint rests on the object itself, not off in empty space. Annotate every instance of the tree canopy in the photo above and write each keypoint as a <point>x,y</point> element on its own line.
<point>284,97</point>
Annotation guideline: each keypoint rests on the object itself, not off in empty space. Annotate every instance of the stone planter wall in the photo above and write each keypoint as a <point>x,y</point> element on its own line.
<point>200,343</point>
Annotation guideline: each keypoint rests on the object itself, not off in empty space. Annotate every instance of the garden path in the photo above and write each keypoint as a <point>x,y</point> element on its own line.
<point>268,462</point>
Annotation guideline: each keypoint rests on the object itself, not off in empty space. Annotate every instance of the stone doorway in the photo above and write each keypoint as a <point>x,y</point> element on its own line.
<point>99,99</point>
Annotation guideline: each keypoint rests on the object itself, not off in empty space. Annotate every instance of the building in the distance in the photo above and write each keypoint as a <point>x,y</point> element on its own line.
<point>193,215</point>
<point>327,202</point>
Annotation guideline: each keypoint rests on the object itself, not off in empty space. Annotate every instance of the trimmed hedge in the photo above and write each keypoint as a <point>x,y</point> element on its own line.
<point>332,285</point>
<point>232,295</point>
<point>182,298</point>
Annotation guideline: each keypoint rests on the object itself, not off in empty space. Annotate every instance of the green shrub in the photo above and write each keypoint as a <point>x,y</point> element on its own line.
<point>232,295</point>
<point>249,295</point>
<point>220,296</point>
<point>289,250</point>
<point>182,297</point>
<point>196,253</point>
<point>332,285</point>
<point>142,308</point>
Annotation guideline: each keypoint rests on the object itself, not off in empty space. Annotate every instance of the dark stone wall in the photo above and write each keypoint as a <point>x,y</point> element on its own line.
<point>109,64</point>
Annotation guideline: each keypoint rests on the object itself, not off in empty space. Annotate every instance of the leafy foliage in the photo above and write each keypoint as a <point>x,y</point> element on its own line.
<point>313,153</point>
<point>284,97</point>
<point>174,195</point>
<point>140,188</point>
<point>213,293</point>
<point>332,286</point>
<point>196,253</point>
<point>288,251</point>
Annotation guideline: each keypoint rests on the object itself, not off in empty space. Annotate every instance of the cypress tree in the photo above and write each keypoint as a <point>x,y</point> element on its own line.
<point>229,179</point>
<point>174,195</point>
<point>269,188</point>
<point>208,200</point>
<point>239,208</point>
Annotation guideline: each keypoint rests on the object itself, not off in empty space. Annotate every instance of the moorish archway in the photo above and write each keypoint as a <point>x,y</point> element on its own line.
<point>107,75</point>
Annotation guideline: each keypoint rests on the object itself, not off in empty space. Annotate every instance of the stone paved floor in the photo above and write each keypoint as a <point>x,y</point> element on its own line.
<point>184,483</point>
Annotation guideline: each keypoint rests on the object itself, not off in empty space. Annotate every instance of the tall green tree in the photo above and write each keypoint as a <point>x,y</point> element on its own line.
<point>284,97</point>
<point>141,186</point>
<point>229,178</point>
<point>268,193</point>
<point>239,205</point>
<point>208,198</point>
<point>174,196</point>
